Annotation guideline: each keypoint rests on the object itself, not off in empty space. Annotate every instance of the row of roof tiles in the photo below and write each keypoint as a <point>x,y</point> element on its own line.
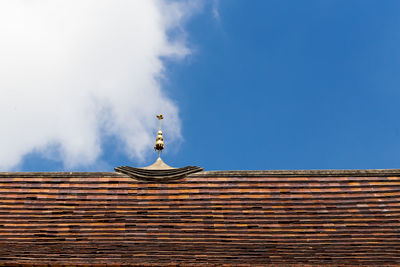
<point>238,218</point>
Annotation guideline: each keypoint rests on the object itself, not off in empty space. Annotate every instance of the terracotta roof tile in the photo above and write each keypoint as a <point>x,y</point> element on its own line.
<point>244,218</point>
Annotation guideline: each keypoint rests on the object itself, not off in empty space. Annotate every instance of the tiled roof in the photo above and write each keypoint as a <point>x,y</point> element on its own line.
<point>223,217</point>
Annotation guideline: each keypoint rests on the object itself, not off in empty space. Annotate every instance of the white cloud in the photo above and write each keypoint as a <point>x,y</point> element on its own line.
<point>215,11</point>
<point>73,72</point>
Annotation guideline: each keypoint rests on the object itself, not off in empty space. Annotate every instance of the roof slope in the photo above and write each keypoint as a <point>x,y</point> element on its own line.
<point>243,217</point>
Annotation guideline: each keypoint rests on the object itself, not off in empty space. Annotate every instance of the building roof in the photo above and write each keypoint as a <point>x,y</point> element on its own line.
<point>214,217</point>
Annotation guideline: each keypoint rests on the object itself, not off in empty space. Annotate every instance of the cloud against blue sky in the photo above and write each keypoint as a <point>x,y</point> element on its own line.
<point>242,84</point>
<point>74,73</point>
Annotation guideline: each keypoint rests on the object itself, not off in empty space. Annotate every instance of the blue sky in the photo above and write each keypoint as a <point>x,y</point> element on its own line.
<point>291,85</point>
<point>278,85</point>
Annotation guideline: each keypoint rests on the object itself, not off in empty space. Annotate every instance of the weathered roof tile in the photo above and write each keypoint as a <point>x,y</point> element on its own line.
<point>244,218</point>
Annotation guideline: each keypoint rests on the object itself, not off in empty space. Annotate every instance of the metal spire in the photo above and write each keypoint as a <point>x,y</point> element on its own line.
<point>160,140</point>
<point>159,164</point>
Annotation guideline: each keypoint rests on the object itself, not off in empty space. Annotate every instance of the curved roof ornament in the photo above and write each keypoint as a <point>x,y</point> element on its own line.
<point>158,170</point>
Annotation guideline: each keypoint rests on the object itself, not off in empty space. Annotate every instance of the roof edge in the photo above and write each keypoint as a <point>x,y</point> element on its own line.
<point>232,173</point>
<point>62,174</point>
<point>299,173</point>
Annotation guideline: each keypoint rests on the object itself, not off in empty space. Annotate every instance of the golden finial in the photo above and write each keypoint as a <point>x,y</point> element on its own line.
<point>160,140</point>
<point>158,170</point>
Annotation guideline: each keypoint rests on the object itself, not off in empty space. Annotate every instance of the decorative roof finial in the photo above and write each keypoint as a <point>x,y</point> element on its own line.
<point>158,170</point>
<point>160,140</point>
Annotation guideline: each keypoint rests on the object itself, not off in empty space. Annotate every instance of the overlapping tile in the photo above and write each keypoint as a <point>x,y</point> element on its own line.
<point>236,218</point>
